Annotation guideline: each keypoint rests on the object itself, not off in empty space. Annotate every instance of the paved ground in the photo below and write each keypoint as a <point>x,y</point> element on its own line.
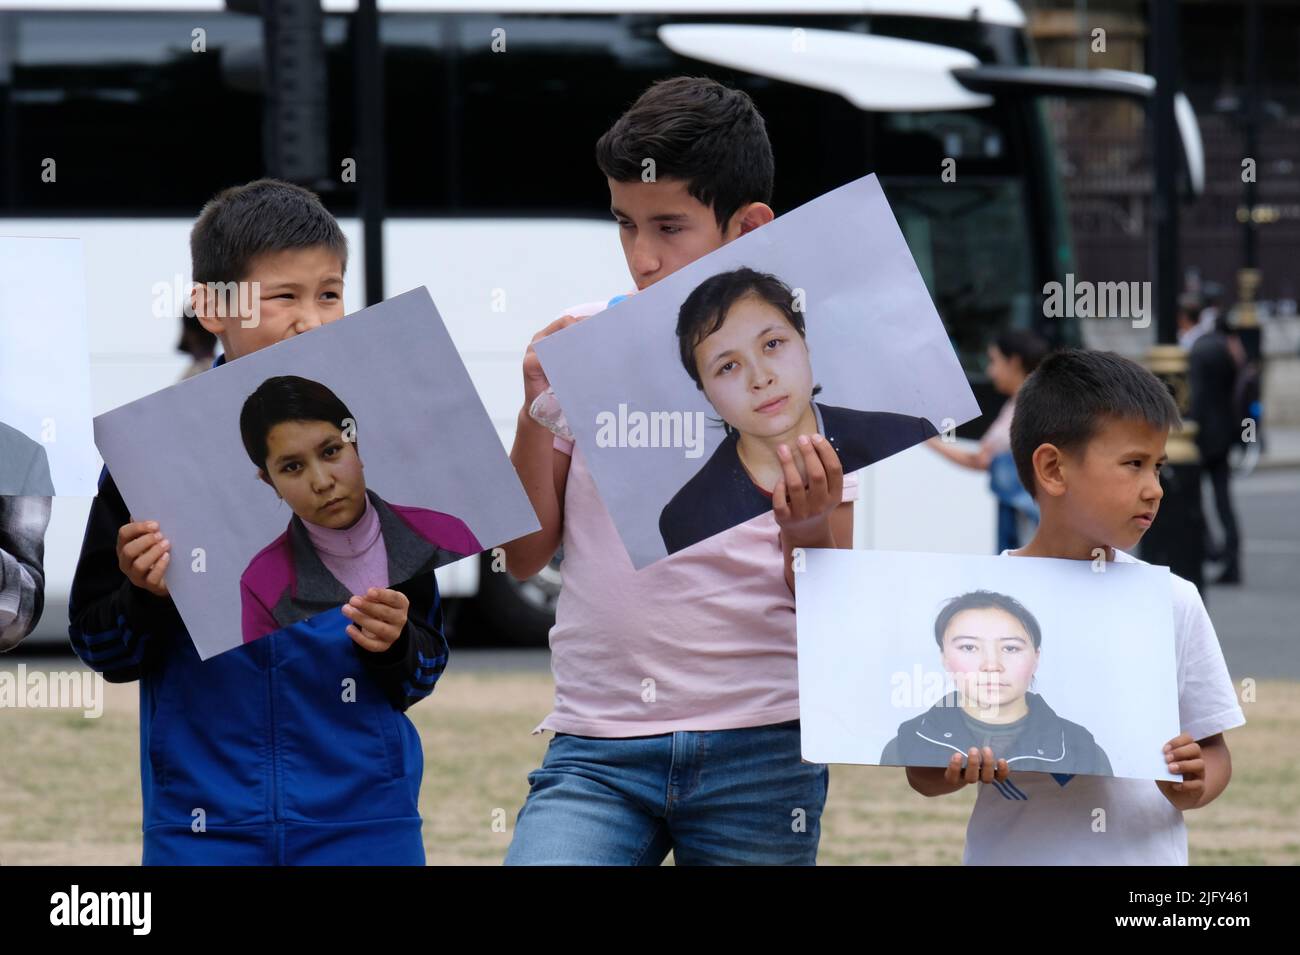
<point>1281,448</point>
<point>1259,622</point>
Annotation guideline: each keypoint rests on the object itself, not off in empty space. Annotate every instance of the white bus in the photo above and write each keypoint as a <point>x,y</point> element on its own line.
<point>493,196</point>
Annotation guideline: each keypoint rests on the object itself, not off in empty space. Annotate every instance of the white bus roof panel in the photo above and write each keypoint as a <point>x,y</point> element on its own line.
<point>883,74</point>
<point>1001,12</point>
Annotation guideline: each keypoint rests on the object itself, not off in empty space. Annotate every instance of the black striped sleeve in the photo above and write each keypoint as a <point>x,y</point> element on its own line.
<point>409,669</point>
<point>116,628</point>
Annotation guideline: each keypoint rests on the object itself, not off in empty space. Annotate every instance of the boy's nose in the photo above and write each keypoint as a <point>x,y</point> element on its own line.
<point>644,259</point>
<point>1154,491</point>
<point>308,319</point>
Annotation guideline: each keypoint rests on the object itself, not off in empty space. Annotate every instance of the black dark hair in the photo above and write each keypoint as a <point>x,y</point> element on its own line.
<point>286,398</point>
<point>1030,347</point>
<point>695,129</point>
<point>266,215</point>
<point>1071,392</point>
<point>987,600</point>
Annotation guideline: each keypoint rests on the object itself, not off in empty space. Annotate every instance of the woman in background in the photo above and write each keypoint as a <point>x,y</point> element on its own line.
<point>1013,355</point>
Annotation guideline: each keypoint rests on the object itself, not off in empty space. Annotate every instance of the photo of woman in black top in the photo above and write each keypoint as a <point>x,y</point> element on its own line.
<point>741,338</point>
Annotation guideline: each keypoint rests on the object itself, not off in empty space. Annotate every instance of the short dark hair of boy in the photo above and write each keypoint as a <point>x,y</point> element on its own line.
<point>987,600</point>
<point>1071,393</point>
<point>286,398</point>
<point>240,223</point>
<point>1030,347</point>
<point>708,135</point>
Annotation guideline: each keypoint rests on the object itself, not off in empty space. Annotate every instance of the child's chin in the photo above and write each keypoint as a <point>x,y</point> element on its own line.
<point>1128,541</point>
<point>336,522</point>
<point>771,427</point>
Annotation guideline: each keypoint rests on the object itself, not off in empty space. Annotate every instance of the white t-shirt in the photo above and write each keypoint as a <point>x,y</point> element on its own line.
<point>1040,819</point>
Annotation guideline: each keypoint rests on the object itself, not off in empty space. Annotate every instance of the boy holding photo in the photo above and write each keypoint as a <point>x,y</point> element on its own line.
<point>676,698</point>
<point>1088,439</point>
<point>293,749</point>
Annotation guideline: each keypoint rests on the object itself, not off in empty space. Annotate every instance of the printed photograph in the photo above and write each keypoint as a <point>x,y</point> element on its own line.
<point>353,458</point>
<point>817,323</point>
<point>906,659</point>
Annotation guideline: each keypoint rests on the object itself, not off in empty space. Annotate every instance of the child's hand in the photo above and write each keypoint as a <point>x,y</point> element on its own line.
<point>143,555</point>
<point>1183,754</point>
<point>377,618</point>
<point>980,768</point>
<point>803,511</point>
<point>534,378</point>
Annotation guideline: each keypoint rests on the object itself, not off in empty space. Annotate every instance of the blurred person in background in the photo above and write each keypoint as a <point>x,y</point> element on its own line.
<point>1012,357</point>
<point>197,342</point>
<point>1214,370</point>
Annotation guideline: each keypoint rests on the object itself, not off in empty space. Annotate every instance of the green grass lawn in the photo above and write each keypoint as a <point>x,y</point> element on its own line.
<point>70,786</point>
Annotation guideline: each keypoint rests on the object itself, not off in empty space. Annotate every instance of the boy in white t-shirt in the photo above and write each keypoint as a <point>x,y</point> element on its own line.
<point>1088,439</point>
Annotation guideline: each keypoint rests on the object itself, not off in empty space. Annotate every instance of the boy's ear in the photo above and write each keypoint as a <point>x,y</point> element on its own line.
<point>1049,469</point>
<point>204,309</point>
<point>749,217</point>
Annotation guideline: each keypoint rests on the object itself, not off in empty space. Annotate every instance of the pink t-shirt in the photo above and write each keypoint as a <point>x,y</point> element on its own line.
<point>701,640</point>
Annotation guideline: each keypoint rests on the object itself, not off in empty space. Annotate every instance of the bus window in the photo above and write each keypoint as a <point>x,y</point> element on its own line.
<point>529,117</point>
<point>968,230</point>
<point>970,242</point>
<point>135,120</point>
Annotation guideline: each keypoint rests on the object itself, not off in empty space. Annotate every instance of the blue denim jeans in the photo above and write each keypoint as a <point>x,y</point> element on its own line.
<point>718,797</point>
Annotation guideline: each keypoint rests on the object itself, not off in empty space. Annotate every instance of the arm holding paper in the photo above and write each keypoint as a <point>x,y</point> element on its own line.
<point>399,636</point>
<point>542,469</point>
<point>814,515</point>
<point>119,609</point>
<point>1206,767</point>
<point>979,766</point>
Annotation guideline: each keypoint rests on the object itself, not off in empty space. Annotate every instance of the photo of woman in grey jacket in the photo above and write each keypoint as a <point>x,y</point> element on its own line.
<point>990,645</point>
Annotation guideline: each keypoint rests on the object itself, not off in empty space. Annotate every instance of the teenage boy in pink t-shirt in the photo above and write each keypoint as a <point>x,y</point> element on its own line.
<point>676,693</point>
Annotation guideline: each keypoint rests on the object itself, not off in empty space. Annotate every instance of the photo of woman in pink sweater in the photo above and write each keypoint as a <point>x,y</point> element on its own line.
<point>343,538</point>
